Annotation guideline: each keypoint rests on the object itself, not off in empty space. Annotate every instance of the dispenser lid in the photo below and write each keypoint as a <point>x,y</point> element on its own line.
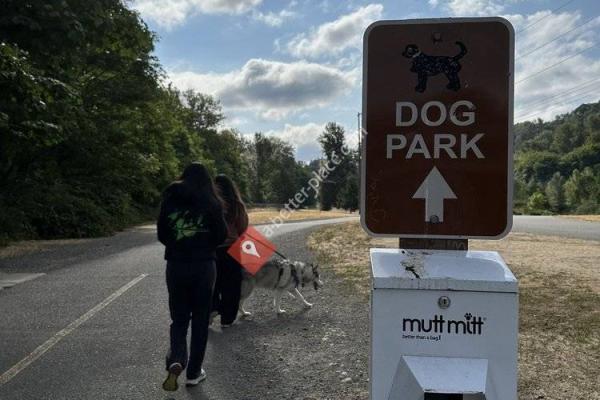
<point>482,271</point>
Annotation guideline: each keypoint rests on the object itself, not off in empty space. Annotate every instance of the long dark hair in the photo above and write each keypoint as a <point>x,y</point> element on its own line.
<point>197,178</point>
<point>234,205</point>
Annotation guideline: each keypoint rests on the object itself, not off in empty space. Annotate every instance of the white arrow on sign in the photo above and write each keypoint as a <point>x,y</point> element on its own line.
<point>434,190</point>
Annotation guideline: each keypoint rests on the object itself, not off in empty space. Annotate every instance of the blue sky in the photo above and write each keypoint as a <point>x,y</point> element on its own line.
<point>287,67</point>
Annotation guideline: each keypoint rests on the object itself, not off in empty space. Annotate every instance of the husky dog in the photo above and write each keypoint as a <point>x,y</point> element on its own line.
<point>280,276</point>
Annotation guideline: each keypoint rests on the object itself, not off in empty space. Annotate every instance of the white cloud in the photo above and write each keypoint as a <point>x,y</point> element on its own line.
<point>469,7</point>
<point>305,139</point>
<point>170,13</point>
<point>334,37</point>
<point>270,88</point>
<point>554,79</point>
<point>274,19</point>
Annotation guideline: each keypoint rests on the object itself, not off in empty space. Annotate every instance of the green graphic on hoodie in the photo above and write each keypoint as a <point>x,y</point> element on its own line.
<point>186,226</point>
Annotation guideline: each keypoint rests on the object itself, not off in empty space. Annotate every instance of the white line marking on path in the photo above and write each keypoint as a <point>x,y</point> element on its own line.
<point>37,353</point>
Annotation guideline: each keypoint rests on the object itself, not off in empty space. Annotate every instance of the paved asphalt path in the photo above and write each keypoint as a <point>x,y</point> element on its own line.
<point>557,226</point>
<point>95,327</point>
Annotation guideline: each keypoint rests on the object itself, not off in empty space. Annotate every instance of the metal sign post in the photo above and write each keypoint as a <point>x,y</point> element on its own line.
<point>436,170</point>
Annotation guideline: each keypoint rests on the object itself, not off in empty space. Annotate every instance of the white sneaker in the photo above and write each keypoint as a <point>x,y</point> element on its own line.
<point>195,381</point>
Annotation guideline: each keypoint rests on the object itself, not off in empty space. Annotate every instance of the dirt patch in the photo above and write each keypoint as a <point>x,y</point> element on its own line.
<point>559,282</point>
<point>589,218</point>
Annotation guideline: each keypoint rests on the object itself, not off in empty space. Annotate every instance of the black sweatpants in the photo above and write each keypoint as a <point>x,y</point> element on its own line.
<point>190,286</point>
<point>226,298</point>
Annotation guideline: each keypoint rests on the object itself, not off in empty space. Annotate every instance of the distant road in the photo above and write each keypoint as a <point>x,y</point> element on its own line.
<point>556,226</point>
<point>541,225</point>
<point>293,226</point>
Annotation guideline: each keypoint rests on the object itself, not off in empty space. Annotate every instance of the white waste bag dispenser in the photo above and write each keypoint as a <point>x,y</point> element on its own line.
<point>444,326</point>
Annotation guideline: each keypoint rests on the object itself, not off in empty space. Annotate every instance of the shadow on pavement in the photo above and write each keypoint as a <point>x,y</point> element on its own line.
<point>48,255</point>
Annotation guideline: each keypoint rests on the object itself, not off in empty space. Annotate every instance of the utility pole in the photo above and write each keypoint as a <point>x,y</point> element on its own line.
<point>359,130</point>
<point>358,152</point>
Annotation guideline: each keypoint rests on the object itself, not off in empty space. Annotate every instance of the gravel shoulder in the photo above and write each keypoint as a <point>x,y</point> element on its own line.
<point>320,353</point>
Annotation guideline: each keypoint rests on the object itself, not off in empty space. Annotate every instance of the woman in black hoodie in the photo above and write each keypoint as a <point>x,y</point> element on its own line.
<point>191,226</point>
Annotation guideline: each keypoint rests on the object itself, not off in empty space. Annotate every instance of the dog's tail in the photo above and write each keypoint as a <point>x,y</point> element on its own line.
<point>463,51</point>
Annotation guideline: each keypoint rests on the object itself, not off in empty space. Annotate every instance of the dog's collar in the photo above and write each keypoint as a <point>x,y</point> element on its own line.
<point>418,53</point>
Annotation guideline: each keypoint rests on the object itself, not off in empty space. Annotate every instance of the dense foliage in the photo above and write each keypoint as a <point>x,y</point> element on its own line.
<point>90,134</point>
<point>557,164</point>
<point>86,129</point>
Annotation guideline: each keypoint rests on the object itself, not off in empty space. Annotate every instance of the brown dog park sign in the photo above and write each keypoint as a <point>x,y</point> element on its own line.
<point>437,125</point>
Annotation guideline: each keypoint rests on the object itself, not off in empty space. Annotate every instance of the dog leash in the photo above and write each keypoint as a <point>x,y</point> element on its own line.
<point>293,272</point>
<point>266,245</point>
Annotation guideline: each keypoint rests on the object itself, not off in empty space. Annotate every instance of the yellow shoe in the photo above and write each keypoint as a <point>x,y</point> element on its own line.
<point>170,384</point>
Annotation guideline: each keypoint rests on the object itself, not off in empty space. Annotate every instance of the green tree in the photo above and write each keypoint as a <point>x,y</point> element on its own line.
<point>348,196</point>
<point>205,111</point>
<point>593,128</point>
<point>555,193</point>
<point>89,134</point>
<point>537,165</point>
<point>575,190</point>
<point>566,137</point>
<point>582,190</point>
<point>282,175</point>
<point>273,170</point>
<point>537,203</point>
<point>304,172</point>
<point>261,150</point>
<point>338,160</point>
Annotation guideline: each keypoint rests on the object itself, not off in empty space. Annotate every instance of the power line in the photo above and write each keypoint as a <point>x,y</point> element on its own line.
<point>546,16</point>
<point>574,89</point>
<point>528,117</point>
<point>531,115</point>
<point>556,38</point>
<point>555,64</point>
<point>561,97</point>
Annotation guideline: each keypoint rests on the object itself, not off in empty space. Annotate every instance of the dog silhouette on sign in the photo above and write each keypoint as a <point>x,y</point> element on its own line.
<point>425,66</point>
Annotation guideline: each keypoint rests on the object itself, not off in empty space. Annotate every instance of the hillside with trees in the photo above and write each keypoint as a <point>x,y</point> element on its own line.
<point>557,164</point>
